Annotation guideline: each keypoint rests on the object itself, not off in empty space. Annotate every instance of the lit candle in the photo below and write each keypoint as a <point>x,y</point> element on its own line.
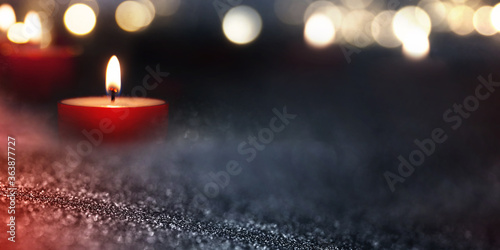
<point>112,119</point>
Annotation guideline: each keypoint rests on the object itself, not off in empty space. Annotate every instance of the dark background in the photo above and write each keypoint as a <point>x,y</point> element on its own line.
<point>318,184</point>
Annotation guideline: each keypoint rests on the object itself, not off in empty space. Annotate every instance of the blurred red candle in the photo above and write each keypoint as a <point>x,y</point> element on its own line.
<point>32,69</point>
<point>37,74</point>
<point>102,120</point>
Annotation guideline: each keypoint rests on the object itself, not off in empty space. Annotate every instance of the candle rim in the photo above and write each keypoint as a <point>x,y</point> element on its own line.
<point>163,102</point>
<point>51,51</point>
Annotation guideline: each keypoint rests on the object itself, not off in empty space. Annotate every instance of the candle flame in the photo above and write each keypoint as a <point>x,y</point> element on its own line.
<point>113,78</point>
<point>33,26</point>
<point>7,17</point>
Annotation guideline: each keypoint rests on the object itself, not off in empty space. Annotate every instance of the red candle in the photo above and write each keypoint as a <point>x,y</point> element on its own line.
<point>32,69</point>
<point>102,120</point>
<point>37,74</point>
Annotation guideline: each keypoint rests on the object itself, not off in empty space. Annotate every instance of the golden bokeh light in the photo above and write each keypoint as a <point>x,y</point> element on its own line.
<point>382,31</point>
<point>133,16</point>
<point>47,21</point>
<point>319,31</point>
<point>410,23</point>
<point>33,27</point>
<point>335,13</point>
<point>242,24</point>
<point>416,48</point>
<point>474,4</point>
<point>325,7</point>
<point>166,7</point>
<point>79,19</point>
<point>46,39</point>
<point>356,4</point>
<point>151,8</point>
<point>91,3</point>
<point>17,33</point>
<point>47,25</point>
<point>482,21</point>
<point>437,11</point>
<point>460,20</point>
<point>48,6</point>
<point>495,17</point>
<point>356,28</point>
<point>7,17</point>
<point>290,11</point>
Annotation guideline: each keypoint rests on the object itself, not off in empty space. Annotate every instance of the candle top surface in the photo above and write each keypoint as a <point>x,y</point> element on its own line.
<point>120,102</point>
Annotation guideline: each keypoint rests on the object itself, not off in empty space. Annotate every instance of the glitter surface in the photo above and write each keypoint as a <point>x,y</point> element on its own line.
<point>304,191</point>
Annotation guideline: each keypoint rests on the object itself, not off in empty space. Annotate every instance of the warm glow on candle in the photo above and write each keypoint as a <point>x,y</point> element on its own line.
<point>7,17</point>
<point>33,27</point>
<point>113,78</point>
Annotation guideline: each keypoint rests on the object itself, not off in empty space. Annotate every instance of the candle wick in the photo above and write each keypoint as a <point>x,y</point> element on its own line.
<point>113,92</point>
